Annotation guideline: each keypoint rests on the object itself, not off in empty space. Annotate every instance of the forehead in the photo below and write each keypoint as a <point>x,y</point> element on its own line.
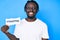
<point>31,4</point>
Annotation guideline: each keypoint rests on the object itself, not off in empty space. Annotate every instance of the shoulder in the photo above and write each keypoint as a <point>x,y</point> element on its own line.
<point>41,23</point>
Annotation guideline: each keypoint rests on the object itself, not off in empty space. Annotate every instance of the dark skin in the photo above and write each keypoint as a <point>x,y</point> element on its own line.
<point>31,7</point>
<point>4,29</point>
<point>31,10</point>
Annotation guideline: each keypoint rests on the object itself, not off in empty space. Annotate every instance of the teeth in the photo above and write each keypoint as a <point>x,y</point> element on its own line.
<point>31,13</point>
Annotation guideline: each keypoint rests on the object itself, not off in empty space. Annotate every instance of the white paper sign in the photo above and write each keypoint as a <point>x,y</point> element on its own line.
<point>12,21</point>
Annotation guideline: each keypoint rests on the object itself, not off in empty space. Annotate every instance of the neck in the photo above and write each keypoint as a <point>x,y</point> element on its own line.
<point>31,19</point>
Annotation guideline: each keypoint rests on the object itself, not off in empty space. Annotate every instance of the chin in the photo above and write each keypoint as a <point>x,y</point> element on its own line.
<point>30,16</point>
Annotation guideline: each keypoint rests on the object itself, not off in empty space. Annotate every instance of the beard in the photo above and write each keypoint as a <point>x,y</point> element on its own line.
<point>31,17</point>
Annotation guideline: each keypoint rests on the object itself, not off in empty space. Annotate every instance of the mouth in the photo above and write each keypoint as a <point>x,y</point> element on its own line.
<point>31,13</point>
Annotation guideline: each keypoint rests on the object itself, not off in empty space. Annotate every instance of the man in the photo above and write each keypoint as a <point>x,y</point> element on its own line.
<point>30,28</point>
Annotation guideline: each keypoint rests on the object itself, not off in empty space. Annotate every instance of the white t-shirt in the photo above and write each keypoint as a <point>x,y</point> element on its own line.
<point>31,30</point>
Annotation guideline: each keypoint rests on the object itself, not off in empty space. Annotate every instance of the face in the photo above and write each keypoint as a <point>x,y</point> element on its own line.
<point>31,9</point>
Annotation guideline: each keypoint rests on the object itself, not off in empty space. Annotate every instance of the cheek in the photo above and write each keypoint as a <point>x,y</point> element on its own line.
<point>27,11</point>
<point>34,11</point>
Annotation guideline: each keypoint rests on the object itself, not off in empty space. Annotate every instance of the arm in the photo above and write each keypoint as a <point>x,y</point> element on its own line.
<point>45,35</point>
<point>10,36</point>
<point>44,39</point>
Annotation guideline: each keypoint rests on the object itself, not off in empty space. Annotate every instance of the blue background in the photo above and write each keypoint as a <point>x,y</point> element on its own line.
<point>49,12</point>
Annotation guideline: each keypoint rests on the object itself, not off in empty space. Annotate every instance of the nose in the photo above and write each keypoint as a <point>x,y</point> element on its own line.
<point>31,10</point>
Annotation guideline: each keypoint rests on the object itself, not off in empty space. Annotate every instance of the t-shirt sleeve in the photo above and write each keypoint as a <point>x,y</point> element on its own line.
<point>16,32</point>
<point>45,32</point>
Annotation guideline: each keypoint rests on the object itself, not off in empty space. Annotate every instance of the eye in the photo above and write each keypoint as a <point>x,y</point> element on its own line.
<point>33,8</point>
<point>30,8</point>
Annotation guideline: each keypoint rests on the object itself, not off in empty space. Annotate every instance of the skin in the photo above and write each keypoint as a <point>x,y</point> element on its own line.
<point>30,8</point>
<point>4,29</point>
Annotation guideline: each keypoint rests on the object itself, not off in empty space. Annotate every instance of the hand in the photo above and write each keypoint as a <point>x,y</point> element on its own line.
<point>4,28</point>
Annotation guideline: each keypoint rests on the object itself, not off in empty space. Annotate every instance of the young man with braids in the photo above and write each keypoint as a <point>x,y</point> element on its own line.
<point>30,28</point>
